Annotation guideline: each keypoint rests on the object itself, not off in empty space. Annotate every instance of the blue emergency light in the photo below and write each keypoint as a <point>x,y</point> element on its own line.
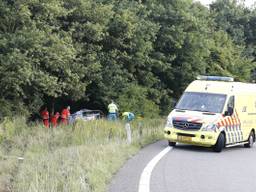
<point>215,78</point>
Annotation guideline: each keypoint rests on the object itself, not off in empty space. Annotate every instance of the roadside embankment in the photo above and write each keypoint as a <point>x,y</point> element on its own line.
<point>79,157</point>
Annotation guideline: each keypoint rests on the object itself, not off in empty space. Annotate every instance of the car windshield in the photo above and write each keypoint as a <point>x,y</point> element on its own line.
<point>205,102</point>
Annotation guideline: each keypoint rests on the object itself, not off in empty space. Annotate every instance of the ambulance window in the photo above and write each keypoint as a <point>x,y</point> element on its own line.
<point>231,102</point>
<point>204,102</point>
<point>230,106</point>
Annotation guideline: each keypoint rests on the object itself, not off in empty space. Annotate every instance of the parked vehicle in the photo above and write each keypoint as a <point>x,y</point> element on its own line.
<point>214,112</point>
<point>86,115</point>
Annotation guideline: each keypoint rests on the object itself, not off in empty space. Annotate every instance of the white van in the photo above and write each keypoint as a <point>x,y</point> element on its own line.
<point>214,112</point>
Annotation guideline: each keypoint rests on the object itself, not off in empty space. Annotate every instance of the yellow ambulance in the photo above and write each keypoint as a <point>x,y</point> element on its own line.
<point>214,112</point>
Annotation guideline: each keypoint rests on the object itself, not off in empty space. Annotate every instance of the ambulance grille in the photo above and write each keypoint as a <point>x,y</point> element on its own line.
<point>185,125</point>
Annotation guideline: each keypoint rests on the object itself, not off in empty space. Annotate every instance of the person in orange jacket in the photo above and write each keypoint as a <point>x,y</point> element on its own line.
<point>65,113</point>
<point>54,119</point>
<point>45,116</point>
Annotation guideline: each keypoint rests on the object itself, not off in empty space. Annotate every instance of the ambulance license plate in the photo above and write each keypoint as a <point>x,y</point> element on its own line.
<point>184,138</point>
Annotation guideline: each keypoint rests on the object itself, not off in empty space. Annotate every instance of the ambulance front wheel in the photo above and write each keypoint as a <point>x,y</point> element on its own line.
<point>220,144</point>
<point>250,140</point>
<point>171,144</point>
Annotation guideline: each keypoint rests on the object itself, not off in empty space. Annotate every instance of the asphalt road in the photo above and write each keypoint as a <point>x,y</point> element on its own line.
<point>190,169</point>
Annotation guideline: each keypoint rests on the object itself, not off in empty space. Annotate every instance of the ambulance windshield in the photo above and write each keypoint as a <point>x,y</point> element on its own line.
<point>205,102</point>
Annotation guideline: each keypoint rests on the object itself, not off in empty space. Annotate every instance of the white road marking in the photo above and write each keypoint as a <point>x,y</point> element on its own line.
<point>144,185</point>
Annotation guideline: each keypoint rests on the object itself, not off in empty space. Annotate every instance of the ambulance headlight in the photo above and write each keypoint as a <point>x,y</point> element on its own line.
<point>210,127</point>
<point>169,122</point>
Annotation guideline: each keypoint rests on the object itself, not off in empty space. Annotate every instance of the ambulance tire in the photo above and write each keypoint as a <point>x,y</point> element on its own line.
<point>171,144</point>
<point>220,144</point>
<point>250,140</point>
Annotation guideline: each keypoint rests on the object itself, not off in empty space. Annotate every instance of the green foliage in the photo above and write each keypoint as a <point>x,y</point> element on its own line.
<point>181,44</point>
<point>135,99</point>
<point>228,60</point>
<point>237,21</point>
<point>87,52</point>
<point>10,127</point>
<point>38,59</point>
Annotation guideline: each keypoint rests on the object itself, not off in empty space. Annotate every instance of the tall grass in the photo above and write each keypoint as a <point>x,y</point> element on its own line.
<point>79,157</point>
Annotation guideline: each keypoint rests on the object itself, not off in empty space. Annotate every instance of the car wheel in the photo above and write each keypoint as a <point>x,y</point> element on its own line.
<point>171,144</point>
<point>250,140</point>
<point>220,144</point>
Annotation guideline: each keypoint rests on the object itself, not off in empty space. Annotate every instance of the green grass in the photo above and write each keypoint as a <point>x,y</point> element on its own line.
<point>81,157</point>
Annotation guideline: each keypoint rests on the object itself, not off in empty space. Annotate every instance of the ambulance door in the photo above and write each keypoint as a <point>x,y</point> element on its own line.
<point>251,112</point>
<point>231,128</point>
<point>241,115</point>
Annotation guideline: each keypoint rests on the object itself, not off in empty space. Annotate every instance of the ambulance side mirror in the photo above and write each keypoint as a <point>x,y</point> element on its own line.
<point>173,104</point>
<point>229,112</point>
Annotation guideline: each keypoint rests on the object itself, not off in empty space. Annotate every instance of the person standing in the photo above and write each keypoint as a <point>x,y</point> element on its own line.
<point>65,113</point>
<point>112,111</point>
<point>128,117</point>
<point>54,119</point>
<point>45,116</point>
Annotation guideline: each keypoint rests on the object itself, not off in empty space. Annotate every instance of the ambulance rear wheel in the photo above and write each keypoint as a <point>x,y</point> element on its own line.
<point>171,144</point>
<point>220,143</point>
<point>250,140</point>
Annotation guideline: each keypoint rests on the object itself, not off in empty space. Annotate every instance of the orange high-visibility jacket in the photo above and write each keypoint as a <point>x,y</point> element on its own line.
<point>45,114</point>
<point>54,119</point>
<point>65,113</point>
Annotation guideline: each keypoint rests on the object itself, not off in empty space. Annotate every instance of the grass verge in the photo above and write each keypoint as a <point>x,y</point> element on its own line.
<point>81,157</point>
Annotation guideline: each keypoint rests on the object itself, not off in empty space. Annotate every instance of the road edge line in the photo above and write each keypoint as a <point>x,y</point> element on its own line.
<point>144,185</point>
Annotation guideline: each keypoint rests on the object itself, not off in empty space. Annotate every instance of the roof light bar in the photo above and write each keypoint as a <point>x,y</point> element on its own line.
<point>215,78</point>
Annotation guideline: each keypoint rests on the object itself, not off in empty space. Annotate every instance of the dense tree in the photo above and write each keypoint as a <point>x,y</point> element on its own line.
<point>140,53</point>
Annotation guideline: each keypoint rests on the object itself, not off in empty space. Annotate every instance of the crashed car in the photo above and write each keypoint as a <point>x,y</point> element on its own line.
<point>86,115</point>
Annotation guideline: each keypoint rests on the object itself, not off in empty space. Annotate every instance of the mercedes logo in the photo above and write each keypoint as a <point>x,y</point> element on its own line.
<point>186,125</point>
